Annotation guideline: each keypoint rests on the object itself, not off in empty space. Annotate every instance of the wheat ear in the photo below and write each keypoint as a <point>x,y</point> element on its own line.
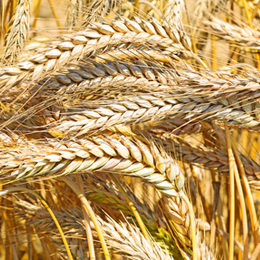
<point>117,153</point>
<point>17,34</point>
<point>144,107</point>
<point>242,35</point>
<point>96,38</point>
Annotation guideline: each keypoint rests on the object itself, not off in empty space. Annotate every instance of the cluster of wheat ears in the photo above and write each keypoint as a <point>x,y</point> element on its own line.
<point>129,130</point>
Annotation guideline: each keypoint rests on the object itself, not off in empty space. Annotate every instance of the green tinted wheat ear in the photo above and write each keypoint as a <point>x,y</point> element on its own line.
<point>17,34</point>
<point>177,216</point>
<point>130,241</point>
<point>96,189</point>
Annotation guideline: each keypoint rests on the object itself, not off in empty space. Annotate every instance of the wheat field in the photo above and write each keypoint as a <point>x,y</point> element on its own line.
<point>129,129</point>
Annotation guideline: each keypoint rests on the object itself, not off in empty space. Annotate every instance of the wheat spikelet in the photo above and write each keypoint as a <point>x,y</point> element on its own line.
<point>137,247</point>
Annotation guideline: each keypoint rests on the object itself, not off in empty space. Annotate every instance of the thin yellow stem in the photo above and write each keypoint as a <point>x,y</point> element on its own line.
<point>55,15</point>
<point>244,214</point>
<point>14,4</point>
<point>87,222</point>
<point>133,208</point>
<point>250,201</point>
<point>87,206</point>
<point>14,189</point>
<point>192,226</point>
<point>37,9</point>
<point>137,5</point>
<point>232,166</point>
<point>213,52</point>
<point>255,11</point>
<point>247,13</point>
